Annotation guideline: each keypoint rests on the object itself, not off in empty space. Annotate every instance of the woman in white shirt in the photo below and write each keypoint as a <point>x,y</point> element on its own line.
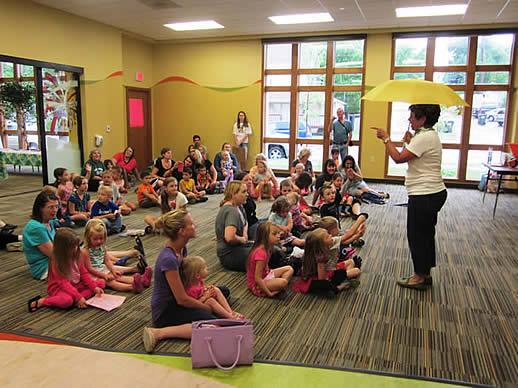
<point>426,191</point>
<point>242,129</point>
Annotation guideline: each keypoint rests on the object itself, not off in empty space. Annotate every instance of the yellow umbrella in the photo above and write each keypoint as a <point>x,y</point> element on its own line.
<point>415,91</point>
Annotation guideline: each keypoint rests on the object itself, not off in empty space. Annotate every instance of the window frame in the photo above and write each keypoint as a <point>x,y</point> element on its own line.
<point>328,88</point>
<point>469,89</point>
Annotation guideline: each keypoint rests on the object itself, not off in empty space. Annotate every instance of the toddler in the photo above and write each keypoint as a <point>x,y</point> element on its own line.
<point>193,272</point>
<point>69,282</point>
<point>262,181</point>
<point>227,167</point>
<point>125,207</point>
<point>64,186</point>
<point>301,221</point>
<point>107,211</point>
<point>204,181</point>
<point>262,280</point>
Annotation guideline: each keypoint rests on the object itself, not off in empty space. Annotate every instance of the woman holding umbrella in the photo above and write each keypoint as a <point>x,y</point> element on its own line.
<point>426,191</point>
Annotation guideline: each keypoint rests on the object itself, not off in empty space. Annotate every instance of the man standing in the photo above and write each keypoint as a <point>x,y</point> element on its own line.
<point>340,133</point>
<point>197,145</point>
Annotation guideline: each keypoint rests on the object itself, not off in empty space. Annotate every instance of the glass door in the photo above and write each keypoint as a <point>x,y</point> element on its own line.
<point>61,134</point>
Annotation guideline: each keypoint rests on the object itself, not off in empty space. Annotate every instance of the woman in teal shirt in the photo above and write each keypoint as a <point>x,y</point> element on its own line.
<point>38,234</point>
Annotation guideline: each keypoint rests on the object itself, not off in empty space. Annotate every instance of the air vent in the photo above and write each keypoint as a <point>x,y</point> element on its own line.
<point>160,4</point>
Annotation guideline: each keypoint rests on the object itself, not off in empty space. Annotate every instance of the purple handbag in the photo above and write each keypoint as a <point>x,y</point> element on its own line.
<point>222,343</point>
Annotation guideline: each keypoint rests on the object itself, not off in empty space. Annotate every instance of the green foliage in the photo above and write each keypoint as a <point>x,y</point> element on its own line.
<point>16,96</point>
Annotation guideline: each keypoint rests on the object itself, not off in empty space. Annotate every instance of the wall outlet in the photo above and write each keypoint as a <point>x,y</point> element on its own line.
<point>108,129</point>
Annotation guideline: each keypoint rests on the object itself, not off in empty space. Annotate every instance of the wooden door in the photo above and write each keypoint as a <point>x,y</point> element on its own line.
<point>138,112</point>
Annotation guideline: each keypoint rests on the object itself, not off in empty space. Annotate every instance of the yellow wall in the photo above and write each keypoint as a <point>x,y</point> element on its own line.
<point>36,32</point>
<point>137,56</point>
<point>377,70</point>
<point>182,109</point>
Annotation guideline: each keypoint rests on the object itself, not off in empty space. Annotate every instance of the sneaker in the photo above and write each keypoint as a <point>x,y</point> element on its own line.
<point>297,253</point>
<point>139,246</point>
<point>149,340</point>
<point>14,247</point>
<point>138,284</point>
<point>149,230</point>
<point>357,261</point>
<point>148,275</point>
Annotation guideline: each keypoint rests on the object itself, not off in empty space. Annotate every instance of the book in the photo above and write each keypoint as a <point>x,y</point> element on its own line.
<point>106,302</point>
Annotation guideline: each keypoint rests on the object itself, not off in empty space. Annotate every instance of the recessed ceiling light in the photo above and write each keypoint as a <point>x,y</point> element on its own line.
<point>188,26</point>
<point>342,8</point>
<point>433,10</point>
<point>302,18</point>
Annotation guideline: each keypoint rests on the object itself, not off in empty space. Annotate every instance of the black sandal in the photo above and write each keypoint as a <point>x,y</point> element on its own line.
<point>32,308</point>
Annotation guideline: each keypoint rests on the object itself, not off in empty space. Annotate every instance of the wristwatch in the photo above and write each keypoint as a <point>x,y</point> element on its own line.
<point>386,140</point>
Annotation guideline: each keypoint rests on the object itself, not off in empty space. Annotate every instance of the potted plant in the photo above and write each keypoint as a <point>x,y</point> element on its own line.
<point>18,99</point>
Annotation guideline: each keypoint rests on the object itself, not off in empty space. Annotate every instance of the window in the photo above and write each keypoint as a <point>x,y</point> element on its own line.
<point>482,79</point>
<point>304,84</point>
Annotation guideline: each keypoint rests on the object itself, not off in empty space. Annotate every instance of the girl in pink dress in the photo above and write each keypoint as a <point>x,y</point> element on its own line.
<point>262,280</point>
<point>193,272</point>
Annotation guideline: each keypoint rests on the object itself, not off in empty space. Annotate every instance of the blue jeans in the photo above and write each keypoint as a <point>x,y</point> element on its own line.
<point>113,225</point>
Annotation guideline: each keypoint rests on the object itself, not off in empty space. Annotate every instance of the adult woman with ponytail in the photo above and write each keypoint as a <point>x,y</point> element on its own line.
<point>172,309</point>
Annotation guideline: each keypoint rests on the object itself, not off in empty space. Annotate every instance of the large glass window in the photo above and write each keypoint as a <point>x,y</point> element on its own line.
<point>301,96</point>
<point>482,79</point>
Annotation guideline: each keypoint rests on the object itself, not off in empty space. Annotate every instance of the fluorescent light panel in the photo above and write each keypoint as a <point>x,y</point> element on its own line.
<point>433,10</point>
<point>302,18</point>
<point>189,26</point>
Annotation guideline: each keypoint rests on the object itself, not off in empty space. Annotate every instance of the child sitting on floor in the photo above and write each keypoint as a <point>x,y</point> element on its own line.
<point>262,181</point>
<point>118,179</point>
<point>146,194</point>
<point>64,187</point>
<point>281,217</point>
<point>193,272</point>
<point>100,264</point>
<point>204,181</point>
<point>262,280</point>
<point>126,207</point>
<point>188,188</point>
<point>347,205</point>
<point>316,275</point>
<point>106,210</point>
<point>79,202</point>
<point>301,221</point>
<point>69,282</point>
<point>350,238</point>
<point>170,199</point>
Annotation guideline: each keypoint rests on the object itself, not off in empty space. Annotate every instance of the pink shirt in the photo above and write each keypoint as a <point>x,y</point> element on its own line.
<point>196,290</point>
<point>130,166</point>
<point>258,254</point>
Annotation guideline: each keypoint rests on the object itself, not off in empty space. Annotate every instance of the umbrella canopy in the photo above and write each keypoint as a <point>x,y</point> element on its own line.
<point>415,91</point>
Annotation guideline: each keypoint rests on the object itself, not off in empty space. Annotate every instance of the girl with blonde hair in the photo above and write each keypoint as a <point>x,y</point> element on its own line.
<point>193,272</point>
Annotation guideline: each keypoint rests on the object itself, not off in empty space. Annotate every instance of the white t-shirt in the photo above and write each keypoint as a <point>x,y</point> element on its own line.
<point>424,172</point>
<point>238,130</point>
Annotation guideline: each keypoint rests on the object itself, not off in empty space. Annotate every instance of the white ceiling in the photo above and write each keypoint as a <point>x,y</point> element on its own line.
<point>250,17</point>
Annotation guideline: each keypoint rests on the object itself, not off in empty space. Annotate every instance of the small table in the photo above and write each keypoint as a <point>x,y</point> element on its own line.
<point>500,171</point>
<point>18,158</point>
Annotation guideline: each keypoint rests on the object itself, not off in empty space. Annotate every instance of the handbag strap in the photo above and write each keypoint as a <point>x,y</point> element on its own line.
<point>213,358</point>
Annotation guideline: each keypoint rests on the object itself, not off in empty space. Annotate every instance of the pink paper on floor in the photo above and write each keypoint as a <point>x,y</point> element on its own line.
<point>106,301</point>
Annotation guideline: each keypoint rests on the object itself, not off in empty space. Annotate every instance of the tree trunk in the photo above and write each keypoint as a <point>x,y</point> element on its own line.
<point>3,135</point>
<point>22,135</point>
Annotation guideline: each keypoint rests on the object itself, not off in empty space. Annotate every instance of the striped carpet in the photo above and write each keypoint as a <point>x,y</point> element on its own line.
<point>464,329</point>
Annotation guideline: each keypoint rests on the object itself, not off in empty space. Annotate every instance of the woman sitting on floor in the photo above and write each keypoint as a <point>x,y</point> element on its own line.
<point>173,311</point>
<point>93,169</point>
<point>231,225</point>
<point>38,234</point>
<point>127,161</point>
<point>355,185</point>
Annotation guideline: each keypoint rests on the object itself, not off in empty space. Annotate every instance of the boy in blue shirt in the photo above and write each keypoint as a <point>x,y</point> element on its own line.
<point>106,210</point>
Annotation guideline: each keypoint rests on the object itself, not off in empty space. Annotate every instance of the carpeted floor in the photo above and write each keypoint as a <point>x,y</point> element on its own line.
<point>465,328</point>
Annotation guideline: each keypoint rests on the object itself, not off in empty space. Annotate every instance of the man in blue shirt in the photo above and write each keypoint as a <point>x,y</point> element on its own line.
<point>340,133</point>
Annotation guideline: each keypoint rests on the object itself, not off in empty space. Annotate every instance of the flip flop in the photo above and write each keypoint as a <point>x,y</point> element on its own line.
<point>32,308</point>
